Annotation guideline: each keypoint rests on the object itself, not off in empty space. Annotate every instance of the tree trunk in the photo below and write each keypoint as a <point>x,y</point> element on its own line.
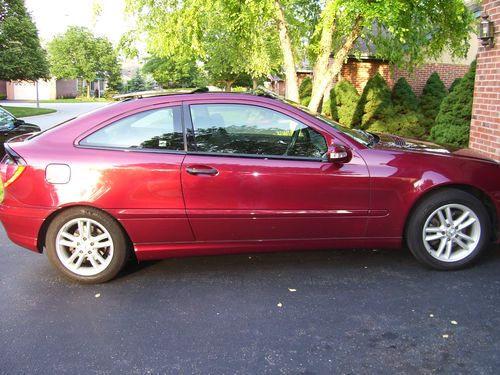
<point>88,89</point>
<point>324,72</point>
<point>292,84</point>
<point>254,84</point>
<point>228,85</point>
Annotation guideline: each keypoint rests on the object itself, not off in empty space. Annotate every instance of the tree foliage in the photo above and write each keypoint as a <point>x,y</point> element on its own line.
<point>248,33</point>
<point>452,124</point>
<point>21,56</point>
<point>403,97</point>
<point>432,95</point>
<point>169,72</point>
<point>79,54</point>
<point>454,84</point>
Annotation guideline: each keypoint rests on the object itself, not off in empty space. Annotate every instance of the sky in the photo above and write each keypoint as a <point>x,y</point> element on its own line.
<point>52,17</point>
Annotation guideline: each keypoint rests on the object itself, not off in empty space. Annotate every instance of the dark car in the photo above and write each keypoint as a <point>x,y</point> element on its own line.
<point>217,173</point>
<point>11,127</point>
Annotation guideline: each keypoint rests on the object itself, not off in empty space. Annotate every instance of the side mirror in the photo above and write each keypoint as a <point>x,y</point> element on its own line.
<point>339,154</point>
<point>19,123</point>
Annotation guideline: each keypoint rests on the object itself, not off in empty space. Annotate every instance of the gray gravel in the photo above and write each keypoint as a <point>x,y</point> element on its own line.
<point>353,312</point>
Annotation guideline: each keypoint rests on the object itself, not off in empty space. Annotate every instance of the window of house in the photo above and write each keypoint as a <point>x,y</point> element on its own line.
<point>158,129</point>
<point>252,130</point>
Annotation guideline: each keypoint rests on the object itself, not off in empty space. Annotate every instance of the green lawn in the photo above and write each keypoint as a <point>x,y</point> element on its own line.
<point>28,111</point>
<point>79,100</point>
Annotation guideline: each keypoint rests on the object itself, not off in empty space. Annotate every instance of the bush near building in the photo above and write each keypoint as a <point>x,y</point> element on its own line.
<point>403,97</point>
<point>374,103</point>
<point>454,84</point>
<point>432,95</point>
<point>305,91</point>
<point>344,102</point>
<point>452,125</point>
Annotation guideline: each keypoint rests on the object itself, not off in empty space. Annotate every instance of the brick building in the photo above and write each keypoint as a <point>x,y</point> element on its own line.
<point>485,126</point>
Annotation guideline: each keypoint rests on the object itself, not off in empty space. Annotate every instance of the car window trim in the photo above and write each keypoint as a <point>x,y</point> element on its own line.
<point>256,104</point>
<point>102,125</point>
<point>256,156</point>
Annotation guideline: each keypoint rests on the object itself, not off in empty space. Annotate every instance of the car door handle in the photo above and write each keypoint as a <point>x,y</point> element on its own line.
<point>202,170</point>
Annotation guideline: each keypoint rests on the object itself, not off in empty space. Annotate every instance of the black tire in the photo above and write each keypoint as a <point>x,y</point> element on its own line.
<point>427,210</point>
<point>115,255</point>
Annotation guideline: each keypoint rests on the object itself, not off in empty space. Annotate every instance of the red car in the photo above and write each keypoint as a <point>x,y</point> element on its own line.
<point>213,173</point>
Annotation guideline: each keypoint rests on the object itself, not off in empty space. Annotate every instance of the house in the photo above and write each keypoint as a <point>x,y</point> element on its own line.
<point>485,125</point>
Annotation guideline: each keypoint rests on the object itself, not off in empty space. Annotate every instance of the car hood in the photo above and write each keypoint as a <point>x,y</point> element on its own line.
<point>393,142</point>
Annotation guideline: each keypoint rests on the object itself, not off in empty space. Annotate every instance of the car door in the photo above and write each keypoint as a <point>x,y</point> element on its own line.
<point>254,172</point>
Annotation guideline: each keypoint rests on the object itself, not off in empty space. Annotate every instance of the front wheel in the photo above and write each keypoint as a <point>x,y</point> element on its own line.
<point>86,245</point>
<point>448,230</point>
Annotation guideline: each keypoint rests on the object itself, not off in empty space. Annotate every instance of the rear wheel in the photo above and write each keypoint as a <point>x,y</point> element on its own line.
<point>86,245</point>
<point>448,230</point>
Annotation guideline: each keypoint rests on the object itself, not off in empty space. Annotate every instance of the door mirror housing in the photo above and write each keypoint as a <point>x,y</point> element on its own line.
<point>339,154</point>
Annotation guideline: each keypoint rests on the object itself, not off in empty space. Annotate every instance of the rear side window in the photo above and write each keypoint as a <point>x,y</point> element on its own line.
<point>158,129</point>
<point>253,130</point>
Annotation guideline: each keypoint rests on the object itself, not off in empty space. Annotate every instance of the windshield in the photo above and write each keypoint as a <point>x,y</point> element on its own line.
<point>7,121</point>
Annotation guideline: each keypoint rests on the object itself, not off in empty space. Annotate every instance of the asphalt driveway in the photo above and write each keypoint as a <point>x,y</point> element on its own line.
<point>65,111</point>
<point>338,312</point>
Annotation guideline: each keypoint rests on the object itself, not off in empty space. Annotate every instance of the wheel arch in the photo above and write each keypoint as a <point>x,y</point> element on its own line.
<point>478,193</point>
<point>42,233</point>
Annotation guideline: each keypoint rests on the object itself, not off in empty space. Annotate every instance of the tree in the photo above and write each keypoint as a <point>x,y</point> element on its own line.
<point>21,56</point>
<point>169,72</point>
<point>452,124</point>
<point>79,54</point>
<point>403,97</point>
<point>432,95</point>
<point>326,31</point>
<point>454,84</point>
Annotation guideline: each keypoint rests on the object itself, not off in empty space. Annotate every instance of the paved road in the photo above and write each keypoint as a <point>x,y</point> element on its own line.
<point>65,111</point>
<point>353,312</point>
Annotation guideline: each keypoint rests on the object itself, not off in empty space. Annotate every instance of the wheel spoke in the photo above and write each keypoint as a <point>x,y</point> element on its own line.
<point>69,237</point>
<point>449,245</point>
<point>93,262</point>
<point>67,243</point>
<point>433,229</point>
<point>99,258</point>
<point>466,224</point>
<point>441,218</point>
<point>99,237</point>
<point>465,237</point>
<point>101,245</point>
<point>81,228</point>
<point>440,249</point>
<point>461,218</point>
<point>434,237</point>
<point>460,243</point>
<point>73,256</point>
<point>80,260</point>
<point>449,216</point>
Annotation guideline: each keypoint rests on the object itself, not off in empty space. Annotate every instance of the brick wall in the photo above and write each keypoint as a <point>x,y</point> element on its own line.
<point>447,72</point>
<point>3,87</point>
<point>485,125</point>
<point>359,72</point>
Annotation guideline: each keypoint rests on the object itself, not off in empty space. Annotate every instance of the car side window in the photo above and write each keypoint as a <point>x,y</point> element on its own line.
<point>253,130</point>
<point>158,129</point>
<point>6,121</point>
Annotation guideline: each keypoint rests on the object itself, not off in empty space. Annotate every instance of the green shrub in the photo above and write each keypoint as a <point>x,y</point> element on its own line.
<point>432,95</point>
<point>452,123</point>
<point>329,108</point>
<point>305,91</point>
<point>403,97</point>
<point>402,124</point>
<point>374,102</point>
<point>454,84</point>
<point>3,96</point>
<point>346,100</point>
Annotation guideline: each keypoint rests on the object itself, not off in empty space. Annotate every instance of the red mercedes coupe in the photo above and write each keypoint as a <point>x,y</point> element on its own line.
<point>213,173</point>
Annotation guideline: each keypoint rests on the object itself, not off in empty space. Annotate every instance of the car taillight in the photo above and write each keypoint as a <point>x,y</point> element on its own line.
<point>11,168</point>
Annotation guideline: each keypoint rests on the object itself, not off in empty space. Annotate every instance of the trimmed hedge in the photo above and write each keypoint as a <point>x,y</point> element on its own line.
<point>432,95</point>
<point>403,97</point>
<point>452,125</point>
<point>373,103</point>
<point>305,91</point>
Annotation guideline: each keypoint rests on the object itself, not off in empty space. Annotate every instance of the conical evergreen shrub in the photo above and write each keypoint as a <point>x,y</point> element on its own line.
<point>305,91</point>
<point>432,95</point>
<point>374,102</point>
<point>403,97</point>
<point>452,125</point>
